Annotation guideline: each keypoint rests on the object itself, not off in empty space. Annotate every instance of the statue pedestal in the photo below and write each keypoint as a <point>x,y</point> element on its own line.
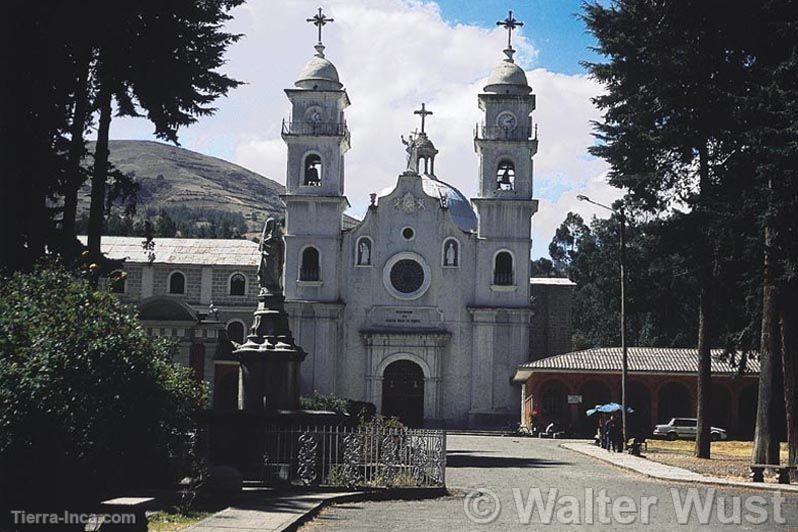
<point>270,359</point>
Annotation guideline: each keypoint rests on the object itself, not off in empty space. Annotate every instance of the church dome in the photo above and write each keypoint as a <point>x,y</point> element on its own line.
<point>459,207</point>
<point>508,78</point>
<point>319,74</point>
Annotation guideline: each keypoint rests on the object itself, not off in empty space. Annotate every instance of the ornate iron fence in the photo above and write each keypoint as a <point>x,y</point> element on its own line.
<point>355,456</point>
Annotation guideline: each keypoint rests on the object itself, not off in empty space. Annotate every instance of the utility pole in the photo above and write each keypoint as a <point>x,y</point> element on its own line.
<point>624,351</point>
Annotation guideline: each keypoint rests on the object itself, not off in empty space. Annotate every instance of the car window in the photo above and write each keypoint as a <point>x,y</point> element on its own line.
<point>689,422</point>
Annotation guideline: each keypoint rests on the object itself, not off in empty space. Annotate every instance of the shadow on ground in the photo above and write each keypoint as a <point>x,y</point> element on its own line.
<point>477,460</point>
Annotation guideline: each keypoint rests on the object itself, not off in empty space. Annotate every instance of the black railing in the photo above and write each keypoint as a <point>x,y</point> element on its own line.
<point>502,279</point>
<point>503,133</point>
<point>321,129</point>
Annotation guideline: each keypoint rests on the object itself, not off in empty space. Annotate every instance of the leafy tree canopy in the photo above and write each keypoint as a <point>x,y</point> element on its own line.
<point>89,404</point>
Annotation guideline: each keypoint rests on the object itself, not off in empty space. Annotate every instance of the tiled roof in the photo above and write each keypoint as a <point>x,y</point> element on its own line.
<point>641,359</point>
<point>202,251</point>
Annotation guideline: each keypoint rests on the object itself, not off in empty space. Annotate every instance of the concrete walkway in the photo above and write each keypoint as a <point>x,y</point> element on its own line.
<point>660,471</point>
<point>270,513</point>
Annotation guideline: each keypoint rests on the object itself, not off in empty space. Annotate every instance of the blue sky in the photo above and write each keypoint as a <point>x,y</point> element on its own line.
<point>552,27</point>
<point>391,56</point>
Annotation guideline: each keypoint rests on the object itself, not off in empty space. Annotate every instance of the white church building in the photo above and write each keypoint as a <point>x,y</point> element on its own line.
<point>423,308</point>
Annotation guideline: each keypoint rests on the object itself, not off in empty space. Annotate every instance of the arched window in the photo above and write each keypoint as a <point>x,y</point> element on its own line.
<point>312,170</point>
<point>177,283</point>
<point>235,330</point>
<point>451,253</point>
<point>309,269</point>
<point>505,175</point>
<point>116,281</point>
<point>238,284</point>
<point>363,251</point>
<point>503,269</point>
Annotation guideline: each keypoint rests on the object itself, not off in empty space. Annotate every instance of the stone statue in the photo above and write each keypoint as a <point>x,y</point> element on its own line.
<point>272,251</point>
<point>365,253</point>
<point>410,148</point>
<point>451,254</point>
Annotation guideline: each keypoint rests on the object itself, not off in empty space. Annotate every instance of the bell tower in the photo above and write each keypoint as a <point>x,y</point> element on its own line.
<point>316,132</point>
<point>317,139</point>
<point>505,142</point>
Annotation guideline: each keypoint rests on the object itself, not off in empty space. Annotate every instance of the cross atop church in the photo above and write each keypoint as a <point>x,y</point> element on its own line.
<point>510,23</point>
<point>319,20</point>
<point>424,114</point>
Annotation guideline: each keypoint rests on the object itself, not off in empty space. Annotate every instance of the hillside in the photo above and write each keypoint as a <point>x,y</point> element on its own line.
<point>178,180</point>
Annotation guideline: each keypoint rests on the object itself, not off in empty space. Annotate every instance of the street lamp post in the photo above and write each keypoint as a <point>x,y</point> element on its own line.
<point>624,355</point>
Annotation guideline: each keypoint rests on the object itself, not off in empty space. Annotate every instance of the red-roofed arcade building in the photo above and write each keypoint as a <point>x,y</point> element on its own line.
<point>661,385</point>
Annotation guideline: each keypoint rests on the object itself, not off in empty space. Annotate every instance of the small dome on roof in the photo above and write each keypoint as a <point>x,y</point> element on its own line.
<point>459,207</point>
<point>320,74</point>
<point>508,78</point>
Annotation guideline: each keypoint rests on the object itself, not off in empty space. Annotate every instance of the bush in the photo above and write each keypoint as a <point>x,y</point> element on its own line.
<point>89,405</point>
<point>360,410</point>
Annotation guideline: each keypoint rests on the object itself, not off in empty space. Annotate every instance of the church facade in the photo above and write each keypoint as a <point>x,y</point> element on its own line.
<point>424,307</point>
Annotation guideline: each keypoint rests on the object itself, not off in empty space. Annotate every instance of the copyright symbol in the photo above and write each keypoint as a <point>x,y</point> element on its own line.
<point>482,506</point>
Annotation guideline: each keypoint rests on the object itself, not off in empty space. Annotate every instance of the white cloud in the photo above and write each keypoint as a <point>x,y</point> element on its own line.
<point>392,55</point>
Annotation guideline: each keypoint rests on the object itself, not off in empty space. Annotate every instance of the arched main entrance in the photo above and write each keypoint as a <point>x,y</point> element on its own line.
<point>403,392</point>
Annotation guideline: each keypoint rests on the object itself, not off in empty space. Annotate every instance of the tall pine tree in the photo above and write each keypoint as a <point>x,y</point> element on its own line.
<point>669,124</point>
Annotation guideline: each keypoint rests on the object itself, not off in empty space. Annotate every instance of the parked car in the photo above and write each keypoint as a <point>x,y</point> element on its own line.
<point>685,427</point>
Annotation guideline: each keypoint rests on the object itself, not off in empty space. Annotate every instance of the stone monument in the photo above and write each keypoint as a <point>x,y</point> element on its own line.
<point>269,358</point>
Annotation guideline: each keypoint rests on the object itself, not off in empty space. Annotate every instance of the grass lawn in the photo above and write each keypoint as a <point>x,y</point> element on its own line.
<point>169,522</point>
<point>730,459</point>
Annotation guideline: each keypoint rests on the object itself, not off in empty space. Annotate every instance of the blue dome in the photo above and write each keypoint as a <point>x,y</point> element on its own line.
<point>459,207</point>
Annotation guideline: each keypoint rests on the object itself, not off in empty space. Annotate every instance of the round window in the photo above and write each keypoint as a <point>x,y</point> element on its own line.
<point>407,232</point>
<point>407,276</point>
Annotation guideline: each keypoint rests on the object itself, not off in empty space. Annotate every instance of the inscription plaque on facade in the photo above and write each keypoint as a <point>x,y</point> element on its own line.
<point>412,317</point>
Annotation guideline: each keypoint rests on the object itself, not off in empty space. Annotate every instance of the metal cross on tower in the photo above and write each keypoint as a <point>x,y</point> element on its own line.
<point>424,113</point>
<point>319,20</point>
<point>510,23</point>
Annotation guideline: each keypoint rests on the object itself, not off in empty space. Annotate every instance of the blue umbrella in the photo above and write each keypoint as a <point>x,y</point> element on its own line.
<point>593,410</point>
<point>609,408</point>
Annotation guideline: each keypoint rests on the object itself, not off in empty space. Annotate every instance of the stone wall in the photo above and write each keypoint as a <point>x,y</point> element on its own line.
<point>550,327</point>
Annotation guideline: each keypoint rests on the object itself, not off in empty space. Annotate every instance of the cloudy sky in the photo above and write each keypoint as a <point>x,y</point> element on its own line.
<point>392,55</point>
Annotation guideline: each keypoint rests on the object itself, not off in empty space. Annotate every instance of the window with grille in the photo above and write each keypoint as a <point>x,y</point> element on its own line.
<point>309,269</point>
<point>503,269</point>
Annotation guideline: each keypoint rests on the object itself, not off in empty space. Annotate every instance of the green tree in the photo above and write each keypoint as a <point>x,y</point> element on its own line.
<point>164,226</point>
<point>89,404</point>
<point>673,72</point>
<point>159,58</point>
<point>771,118</point>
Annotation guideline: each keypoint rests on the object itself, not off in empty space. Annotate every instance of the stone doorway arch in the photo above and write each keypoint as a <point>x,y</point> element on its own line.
<point>403,392</point>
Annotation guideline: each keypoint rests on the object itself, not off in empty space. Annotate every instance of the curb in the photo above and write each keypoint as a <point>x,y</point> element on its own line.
<point>699,478</point>
<point>395,494</point>
<point>296,520</point>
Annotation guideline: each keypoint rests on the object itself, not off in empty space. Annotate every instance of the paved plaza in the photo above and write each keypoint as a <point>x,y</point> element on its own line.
<point>536,482</point>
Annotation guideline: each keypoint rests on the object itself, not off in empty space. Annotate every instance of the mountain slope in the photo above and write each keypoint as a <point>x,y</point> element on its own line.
<point>173,177</point>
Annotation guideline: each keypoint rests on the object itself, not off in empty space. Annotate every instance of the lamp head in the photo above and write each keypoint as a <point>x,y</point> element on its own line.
<point>582,197</point>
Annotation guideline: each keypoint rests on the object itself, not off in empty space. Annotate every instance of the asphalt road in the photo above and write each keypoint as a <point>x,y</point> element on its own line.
<point>524,484</point>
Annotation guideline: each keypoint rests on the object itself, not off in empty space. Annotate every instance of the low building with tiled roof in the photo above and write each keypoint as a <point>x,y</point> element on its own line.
<point>661,385</point>
<point>188,289</point>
